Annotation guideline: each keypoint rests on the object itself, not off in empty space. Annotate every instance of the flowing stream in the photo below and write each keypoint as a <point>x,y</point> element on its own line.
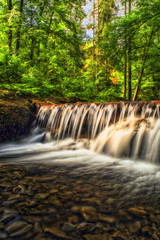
<point>94,167</point>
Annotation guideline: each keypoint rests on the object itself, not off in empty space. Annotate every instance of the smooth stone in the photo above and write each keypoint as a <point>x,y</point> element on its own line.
<point>110,200</point>
<point>107,219</point>
<point>68,227</point>
<point>3,235</point>
<point>96,236</point>
<point>19,189</point>
<point>155,236</point>
<point>37,227</point>
<point>147,231</point>
<point>73,219</point>
<point>76,209</point>
<point>8,215</point>
<point>53,191</point>
<point>54,200</point>
<point>85,227</point>
<point>18,228</point>
<point>89,213</point>
<point>135,227</point>
<point>56,232</point>
<point>155,219</point>
<point>1,225</point>
<point>119,235</point>
<point>41,196</point>
<point>14,196</point>
<point>139,212</point>
<point>32,218</point>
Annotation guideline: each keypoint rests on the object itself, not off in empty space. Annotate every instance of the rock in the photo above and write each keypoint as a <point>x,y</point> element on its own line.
<point>3,235</point>
<point>119,235</point>
<point>69,227</point>
<point>107,219</point>
<point>53,191</point>
<point>32,218</point>
<point>8,215</point>
<point>54,200</point>
<point>19,189</point>
<point>85,227</point>
<point>14,196</point>
<point>155,236</point>
<point>135,227</point>
<point>76,209</point>
<point>18,228</point>
<point>1,225</point>
<point>37,227</point>
<point>96,236</point>
<point>41,196</point>
<point>138,212</point>
<point>57,233</point>
<point>155,219</point>
<point>110,200</point>
<point>89,213</point>
<point>147,231</point>
<point>73,219</point>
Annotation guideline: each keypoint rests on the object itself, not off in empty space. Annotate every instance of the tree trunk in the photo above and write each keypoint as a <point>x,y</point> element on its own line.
<point>93,29</point>
<point>142,68</point>
<point>129,60</point>
<point>125,59</point>
<point>19,27</point>
<point>10,28</point>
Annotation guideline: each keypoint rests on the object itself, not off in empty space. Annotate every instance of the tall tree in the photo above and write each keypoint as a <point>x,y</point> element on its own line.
<point>10,6</point>
<point>19,26</point>
<point>129,58</point>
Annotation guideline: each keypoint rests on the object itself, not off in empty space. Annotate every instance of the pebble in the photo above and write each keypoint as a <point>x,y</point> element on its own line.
<point>96,237</point>
<point>3,235</point>
<point>56,232</point>
<point>18,228</point>
<point>68,227</point>
<point>139,212</point>
<point>89,213</point>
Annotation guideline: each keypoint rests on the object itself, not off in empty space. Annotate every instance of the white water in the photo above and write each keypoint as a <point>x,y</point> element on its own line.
<point>124,130</point>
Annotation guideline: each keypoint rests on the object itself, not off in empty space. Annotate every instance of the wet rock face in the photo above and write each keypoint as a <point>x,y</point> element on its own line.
<point>15,121</point>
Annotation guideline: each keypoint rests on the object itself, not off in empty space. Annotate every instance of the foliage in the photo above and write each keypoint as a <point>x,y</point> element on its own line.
<point>45,52</point>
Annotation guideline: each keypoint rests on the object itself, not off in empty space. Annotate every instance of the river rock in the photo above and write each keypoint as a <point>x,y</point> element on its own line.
<point>107,219</point>
<point>89,213</point>
<point>68,227</point>
<point>138,212</point>
<point>3,235</point>
<point>96,236</point>
<point>119,236</point>
<point>56,232</point>
<point>54,200</point>
<point>135,227</point>
<point>18,228</point>
<point>73,219</point>
<point>147,231</point>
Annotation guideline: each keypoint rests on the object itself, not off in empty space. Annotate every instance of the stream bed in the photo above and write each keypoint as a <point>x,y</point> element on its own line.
<point>61,190</point>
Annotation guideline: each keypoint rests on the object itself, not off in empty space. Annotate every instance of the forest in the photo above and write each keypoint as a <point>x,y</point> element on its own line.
<point>45,50</point>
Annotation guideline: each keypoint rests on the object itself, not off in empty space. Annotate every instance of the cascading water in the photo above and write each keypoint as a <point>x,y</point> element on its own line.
<point>119,130</point>
<point>75,176</point>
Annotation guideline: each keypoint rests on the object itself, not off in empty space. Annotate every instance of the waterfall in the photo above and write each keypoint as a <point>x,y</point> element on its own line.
<point>117,129</point>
